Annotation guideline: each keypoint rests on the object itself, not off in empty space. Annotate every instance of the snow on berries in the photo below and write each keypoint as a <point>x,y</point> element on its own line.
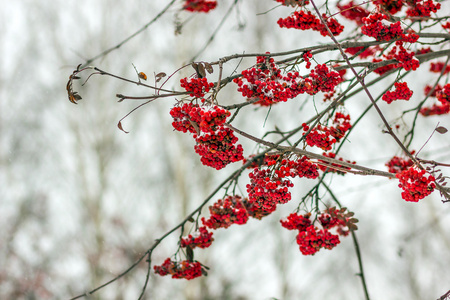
<point>184,269</point>
<point>201,239</point>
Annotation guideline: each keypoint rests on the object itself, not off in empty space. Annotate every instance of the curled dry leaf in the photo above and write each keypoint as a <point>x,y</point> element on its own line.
<point>159,76</point>
<point>208,67</point>
<point>199,69</point>
<point>120,127</point>
<point>73,96</point>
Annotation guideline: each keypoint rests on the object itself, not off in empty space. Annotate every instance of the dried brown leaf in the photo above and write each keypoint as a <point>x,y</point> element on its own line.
<point>201,72</point>
<point>208,67</point>
<point>441,129</point>
<point>120,127</point>
<point>160,75</point>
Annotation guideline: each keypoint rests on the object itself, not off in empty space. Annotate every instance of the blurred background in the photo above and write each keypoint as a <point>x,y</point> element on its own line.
<point>80,200</point>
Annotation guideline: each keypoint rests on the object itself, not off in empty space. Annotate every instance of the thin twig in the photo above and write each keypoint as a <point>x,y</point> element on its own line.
<point>106,52</point>
<point>356,244</point>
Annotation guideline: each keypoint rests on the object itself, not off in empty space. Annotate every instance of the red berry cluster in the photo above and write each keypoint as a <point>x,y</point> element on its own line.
<point>323,79</point>
<point>195,119</point>
<point>224,213</point>
<point>320,137</point>
<point>341,124</point>
<point>443,96</point>
<point>218,149</point>
<point>197,87</point>
<point>306,20</point>
<point>326,166</point>
<point>401,92</point>
<point>266,191</point>
<point>416,184</point>
<point>428,89</point>
<point>297,222</point>
<point>215,143</point>
<point>406,59</point>
<point>200,239</point>
<point>398,164</point>
<point>353,12</point>
<point>422,8</point>
<point>313,239</point>
<point>374,27</point>
<point>423,50</point>
<point>437,67</point>
<point>390,6</point>
<point>310,238</point>
<point>199,5</point>
<point>185,269</point>
<point>435,110</point>
<point>324,137</point>
<point>267,84</point>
